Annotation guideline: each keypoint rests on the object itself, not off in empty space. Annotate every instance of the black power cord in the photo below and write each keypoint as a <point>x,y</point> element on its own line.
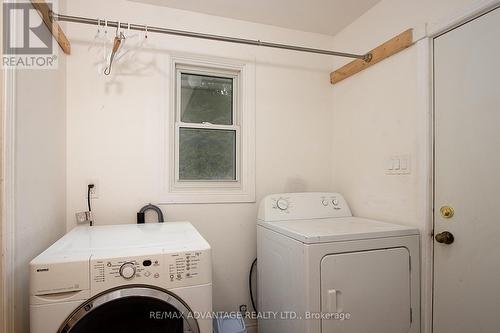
<point>254,263</point>
<point>89,188</point>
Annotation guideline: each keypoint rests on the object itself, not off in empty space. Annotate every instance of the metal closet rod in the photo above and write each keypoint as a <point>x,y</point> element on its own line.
<point>114,24</point>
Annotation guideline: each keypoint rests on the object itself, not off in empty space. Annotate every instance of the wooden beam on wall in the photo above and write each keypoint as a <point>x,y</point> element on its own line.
<point>389,48</point>
<point>44,11</point>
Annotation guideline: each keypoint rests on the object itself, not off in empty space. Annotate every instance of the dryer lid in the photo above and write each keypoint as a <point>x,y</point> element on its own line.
<point>338,229</point>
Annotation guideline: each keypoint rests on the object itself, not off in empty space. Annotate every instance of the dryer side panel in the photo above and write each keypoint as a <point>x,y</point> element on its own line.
<point>282,282</point>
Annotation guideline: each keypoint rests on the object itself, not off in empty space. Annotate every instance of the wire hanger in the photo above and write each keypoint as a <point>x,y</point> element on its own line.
<point>119,38</point>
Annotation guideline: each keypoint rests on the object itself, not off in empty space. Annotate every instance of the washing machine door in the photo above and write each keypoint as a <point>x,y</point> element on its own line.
<point>132,309</point>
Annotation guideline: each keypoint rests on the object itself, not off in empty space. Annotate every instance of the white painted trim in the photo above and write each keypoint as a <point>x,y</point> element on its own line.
<point>8,197</point>
<point>245,191</point>
<point>9,121</point>
<point>463,16</point>
<point>425,170</point>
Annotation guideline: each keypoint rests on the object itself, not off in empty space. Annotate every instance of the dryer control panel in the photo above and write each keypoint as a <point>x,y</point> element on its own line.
<point>297,206</point>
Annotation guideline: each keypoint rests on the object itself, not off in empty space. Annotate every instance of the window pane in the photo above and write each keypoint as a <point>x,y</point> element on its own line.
<point>207,154</point>
<point>206,99</point>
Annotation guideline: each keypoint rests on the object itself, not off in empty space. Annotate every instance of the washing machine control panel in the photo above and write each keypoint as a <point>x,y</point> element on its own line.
<point>183,266</point>
<point>167,270</point>
<point>107,273</point>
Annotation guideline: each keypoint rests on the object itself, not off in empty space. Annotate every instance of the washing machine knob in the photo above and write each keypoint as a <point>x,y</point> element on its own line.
<point>127,271</point>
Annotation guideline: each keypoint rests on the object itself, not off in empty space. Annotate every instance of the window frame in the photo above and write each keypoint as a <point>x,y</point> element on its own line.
<point>242,189</point>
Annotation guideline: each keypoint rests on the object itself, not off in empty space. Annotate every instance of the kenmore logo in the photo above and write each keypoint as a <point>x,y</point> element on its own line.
<point>42,270</point>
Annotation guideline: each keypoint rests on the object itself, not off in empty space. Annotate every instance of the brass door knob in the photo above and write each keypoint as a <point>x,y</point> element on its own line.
<point>445,237</point>
<point>447,212</point>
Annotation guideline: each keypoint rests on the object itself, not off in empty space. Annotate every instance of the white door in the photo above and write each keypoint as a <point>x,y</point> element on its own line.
<point>372,287</point>
<point>467,178</point>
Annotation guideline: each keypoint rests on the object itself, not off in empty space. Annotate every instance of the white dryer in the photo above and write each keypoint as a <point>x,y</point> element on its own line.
<point>123,278</point>
<point>322,270</point>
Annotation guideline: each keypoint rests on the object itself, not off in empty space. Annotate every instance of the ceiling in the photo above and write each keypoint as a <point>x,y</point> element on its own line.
<point>320,16</point>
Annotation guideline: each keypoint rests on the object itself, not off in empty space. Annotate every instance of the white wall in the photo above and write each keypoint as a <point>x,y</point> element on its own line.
<point>382,112</point>
<point>115,127</point>
<point>376,112</point>
<point>40,173</point>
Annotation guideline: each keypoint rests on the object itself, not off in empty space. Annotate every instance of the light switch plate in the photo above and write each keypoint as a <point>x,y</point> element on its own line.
<point>398,165</point>
<point>405,164</point>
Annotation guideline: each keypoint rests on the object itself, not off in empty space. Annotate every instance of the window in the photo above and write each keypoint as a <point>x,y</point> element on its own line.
<point>212,152</point>
<point>208,128</point>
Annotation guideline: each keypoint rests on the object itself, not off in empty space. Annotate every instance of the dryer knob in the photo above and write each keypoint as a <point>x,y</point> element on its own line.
<point>127,271</point>
<point>282,204</point>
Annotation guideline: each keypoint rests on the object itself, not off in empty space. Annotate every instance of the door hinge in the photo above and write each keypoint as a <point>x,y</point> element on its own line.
<point>411,315</point>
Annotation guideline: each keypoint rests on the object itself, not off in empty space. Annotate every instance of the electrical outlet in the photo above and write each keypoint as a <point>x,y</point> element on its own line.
<point>243,308</point>
<point>83,217</point>
<point>94,192</point>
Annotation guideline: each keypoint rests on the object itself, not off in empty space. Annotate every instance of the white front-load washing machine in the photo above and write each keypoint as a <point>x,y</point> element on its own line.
<point>322,270</point>
<point>123,278</point>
